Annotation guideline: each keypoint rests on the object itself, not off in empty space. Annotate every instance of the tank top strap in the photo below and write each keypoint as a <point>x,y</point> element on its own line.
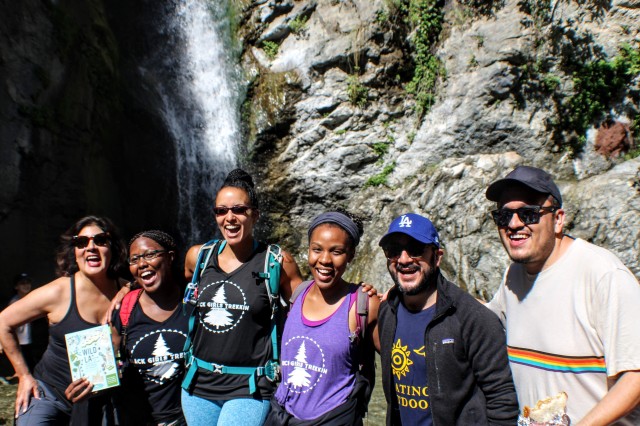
<point>73,306</point>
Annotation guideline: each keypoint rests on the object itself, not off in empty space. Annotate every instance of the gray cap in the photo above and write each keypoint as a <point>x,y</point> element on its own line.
<point>531,177</point>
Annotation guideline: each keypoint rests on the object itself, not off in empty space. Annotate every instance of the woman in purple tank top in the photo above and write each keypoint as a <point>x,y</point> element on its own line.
<point>326,366</point>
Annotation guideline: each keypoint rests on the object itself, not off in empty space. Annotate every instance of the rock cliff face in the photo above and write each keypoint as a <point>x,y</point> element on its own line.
<point>379,106</point>
<point>75,141</point>
<point>343,129</point>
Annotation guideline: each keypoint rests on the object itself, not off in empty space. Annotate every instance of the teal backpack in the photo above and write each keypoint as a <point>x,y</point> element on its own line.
<point>271,277</point>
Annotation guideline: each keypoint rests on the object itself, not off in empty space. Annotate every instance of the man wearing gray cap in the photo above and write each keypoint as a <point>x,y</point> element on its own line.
<point>443,353</point>
<point>571,309</point>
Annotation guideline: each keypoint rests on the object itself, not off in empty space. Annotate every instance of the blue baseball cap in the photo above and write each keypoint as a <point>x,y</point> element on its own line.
<point>415,226</point>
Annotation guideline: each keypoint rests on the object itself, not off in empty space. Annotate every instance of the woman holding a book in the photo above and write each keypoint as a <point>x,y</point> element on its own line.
<point>153,328</point>
<point>90,260</point>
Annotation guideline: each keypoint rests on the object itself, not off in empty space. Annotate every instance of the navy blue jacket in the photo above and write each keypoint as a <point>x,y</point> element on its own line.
<point>469,379</point>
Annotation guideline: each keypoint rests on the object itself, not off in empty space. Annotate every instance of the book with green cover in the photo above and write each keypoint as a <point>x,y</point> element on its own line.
<point>91,356</point>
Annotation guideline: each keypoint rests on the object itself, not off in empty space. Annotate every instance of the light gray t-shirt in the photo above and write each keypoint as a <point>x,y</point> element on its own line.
<point>570,327</point>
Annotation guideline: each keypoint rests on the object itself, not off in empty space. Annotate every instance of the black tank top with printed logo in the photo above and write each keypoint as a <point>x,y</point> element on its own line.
<point>233,327</point>
<point>53,368</point>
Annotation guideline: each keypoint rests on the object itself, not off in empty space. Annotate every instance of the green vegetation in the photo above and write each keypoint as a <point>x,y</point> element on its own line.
<point>298,24</point>
<point>551,82</point>
<point>356,91</point>
<point>340,131</point>
<point>410,137</point>
<point>426,18</point>
<point>596,85</point>
<point>381,178</point>
<point>270,48</point>
<point>380,148</point>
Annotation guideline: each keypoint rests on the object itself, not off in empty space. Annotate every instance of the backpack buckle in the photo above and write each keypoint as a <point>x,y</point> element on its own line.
<point>272,371</point>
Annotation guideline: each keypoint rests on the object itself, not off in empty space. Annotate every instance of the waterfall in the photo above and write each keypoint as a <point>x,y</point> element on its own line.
<point>201,96</point>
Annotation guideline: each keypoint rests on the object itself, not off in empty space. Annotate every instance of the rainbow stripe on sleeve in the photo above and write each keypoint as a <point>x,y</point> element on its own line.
<point>557,363</point>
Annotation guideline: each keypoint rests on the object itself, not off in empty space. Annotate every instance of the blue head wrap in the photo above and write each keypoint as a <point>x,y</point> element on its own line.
<point>340,219</point>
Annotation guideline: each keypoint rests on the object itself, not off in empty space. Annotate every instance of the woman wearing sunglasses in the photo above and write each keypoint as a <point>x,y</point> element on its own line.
<point>233,318</point>
<point>90,260</point>
<point>327,362</point>
<point>152,327</point>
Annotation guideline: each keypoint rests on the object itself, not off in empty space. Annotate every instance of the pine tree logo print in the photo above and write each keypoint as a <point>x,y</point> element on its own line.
<point>308,365</point>
<point>219,317</point>
<point>221,306</point>
<point>159,355</point>
<point>162,370</point>
<point>299,377</point>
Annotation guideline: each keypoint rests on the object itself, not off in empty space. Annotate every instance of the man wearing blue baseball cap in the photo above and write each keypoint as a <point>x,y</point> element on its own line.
<point>444,358</point>
<point>571,309</point>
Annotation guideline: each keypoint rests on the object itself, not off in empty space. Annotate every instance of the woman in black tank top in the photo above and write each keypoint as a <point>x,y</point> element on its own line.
<point>233,313</point>
<point>90,260</point>
<point>153,327</point>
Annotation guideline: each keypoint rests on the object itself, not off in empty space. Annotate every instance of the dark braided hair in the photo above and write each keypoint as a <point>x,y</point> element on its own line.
<point>238,178</point>
<point>165,240</point>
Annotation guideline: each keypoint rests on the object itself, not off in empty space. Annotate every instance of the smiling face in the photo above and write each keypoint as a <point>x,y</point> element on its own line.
<point>329,254</point>
<point>531,244</point>
<point>93,260</point>
<point>413,275</point>
<point>235,228</point>
<point>151,274</point>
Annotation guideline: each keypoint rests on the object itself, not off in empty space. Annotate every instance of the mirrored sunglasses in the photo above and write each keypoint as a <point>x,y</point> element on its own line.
<point>222,210</point>
<point>81,241</point>
<point>529,215</point>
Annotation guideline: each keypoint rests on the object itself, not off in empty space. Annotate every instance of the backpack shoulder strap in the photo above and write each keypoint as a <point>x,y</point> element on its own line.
<point>362,311</point>
<point>204,254</point>
<point>128,303</point>
<point>301,288</point>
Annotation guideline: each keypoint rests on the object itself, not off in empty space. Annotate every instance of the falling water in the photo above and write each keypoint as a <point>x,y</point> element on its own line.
<point>201,104</point>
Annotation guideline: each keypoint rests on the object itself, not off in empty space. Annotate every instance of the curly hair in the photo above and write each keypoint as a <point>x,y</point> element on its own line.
<point>65,254</point>
<point>238,178</point>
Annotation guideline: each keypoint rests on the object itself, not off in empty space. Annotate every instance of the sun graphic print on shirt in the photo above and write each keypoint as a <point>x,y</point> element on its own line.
<point>221,306</point>
<point>159,355</point>
<point>308,366</point>
<point>400,359</point>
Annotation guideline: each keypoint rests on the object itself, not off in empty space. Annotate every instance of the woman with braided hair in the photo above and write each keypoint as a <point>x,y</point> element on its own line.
<point>153,327</point>
<point>327,345</point>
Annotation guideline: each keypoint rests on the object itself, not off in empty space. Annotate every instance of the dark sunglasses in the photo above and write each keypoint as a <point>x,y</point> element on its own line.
<point>222,211</point>
<point>147,255</point>
<point>529,215</point>
<point>415,250</point>
<point>81,241</point>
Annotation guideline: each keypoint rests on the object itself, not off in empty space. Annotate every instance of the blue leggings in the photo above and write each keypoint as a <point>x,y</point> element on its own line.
<point>234,412</point>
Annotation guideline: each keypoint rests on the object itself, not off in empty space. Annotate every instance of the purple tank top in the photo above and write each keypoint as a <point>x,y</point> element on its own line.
<point>319,361</point>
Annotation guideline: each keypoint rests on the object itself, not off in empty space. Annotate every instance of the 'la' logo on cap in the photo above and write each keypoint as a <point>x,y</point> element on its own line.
<point>405,222</point>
